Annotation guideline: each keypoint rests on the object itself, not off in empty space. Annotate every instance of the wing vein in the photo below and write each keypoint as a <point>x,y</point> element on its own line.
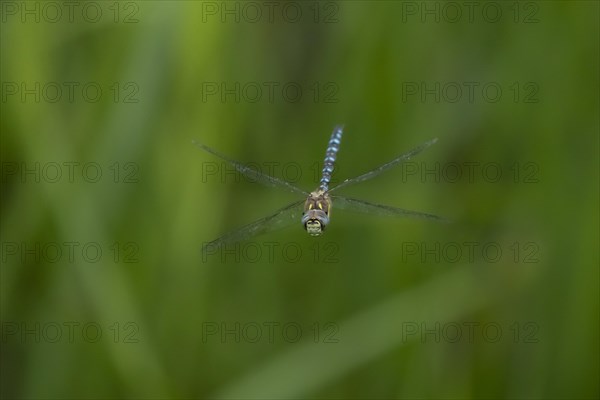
<point>382,168</point>
<point>280,219</point>
<point>253,174</point>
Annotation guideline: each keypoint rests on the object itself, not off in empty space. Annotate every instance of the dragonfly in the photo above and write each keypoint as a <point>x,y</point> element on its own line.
<point>314,210</point>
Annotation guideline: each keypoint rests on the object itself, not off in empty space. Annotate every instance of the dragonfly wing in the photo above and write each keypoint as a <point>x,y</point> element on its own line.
<point>382,168</point>
<point>280,219</point>
<point>253,174</point>
<point>361,206</point>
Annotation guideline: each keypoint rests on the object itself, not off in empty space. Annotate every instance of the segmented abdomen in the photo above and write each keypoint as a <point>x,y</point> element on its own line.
<point>330,156</point>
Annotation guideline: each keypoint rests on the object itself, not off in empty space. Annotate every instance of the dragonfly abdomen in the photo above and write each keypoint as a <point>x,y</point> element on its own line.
<point>330,156</point>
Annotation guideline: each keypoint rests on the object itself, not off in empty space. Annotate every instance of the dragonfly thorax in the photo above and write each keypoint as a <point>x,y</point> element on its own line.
<point>316,213</point>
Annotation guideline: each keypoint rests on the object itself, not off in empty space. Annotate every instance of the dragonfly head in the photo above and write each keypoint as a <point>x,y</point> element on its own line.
<point>316,213</point>
<point>315,221</point>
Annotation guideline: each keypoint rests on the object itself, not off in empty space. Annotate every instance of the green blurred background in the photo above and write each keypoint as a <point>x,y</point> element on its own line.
<point>375,308</point>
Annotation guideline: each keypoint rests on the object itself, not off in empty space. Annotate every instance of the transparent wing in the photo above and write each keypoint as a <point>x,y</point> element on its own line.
<point>253,174</point>
<point>280,219</point>
<point>382,168</point>
<point>347,203</point>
